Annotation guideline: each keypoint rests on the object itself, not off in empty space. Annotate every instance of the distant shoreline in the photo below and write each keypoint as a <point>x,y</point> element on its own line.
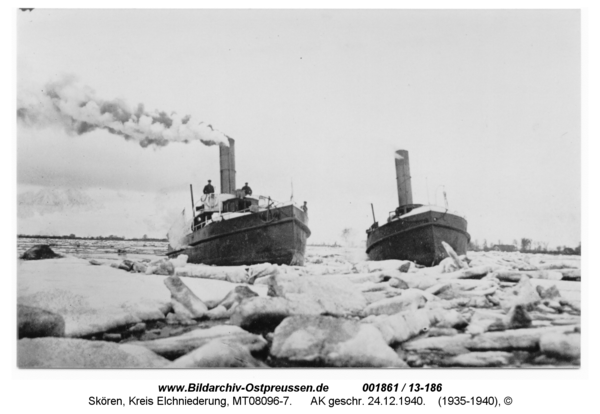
<point>115,238</point>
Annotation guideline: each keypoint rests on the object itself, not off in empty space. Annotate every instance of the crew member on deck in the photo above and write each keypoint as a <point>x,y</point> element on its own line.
<point>247,190</point>
<point>209,189</point>
<point>305,208</point>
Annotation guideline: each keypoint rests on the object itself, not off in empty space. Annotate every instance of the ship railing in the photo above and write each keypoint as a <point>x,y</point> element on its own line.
<point>200,225</point>
<point>223,216</point>
<point>266,203</point>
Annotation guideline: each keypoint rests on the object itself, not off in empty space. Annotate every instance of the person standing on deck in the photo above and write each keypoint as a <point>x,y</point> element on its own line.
<point>208,188</point>
<point>305,208</point>
<point>247,190</point>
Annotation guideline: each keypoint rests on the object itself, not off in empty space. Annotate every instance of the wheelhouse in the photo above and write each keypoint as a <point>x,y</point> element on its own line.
<point>217,207</point>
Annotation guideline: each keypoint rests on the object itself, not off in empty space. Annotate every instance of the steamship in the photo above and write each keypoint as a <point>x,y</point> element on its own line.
<point>232,228</point>
<point>415,231</point>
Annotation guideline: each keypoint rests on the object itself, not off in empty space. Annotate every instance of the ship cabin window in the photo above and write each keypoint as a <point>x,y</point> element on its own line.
<point>237,204</point>
<point>202,218</point>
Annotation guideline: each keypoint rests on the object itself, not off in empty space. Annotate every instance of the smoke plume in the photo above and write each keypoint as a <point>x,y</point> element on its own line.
<point>79,110</point>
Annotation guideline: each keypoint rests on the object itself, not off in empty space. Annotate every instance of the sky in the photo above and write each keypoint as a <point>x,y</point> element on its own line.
<point>486,102</point>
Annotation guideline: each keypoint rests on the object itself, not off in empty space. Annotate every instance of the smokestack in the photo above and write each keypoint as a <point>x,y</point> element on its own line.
<point>403,178</point>
<point>227,159</point>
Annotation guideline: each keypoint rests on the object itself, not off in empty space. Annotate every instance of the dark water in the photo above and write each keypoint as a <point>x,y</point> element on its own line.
<point>95,248</point>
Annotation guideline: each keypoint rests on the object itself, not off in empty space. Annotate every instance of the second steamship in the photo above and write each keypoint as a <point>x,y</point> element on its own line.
<point>415,231</point>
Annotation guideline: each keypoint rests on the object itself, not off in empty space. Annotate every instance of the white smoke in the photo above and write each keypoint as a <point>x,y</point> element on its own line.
<point>350,237</point>
<point>179,229</point>
<point>79,110</point>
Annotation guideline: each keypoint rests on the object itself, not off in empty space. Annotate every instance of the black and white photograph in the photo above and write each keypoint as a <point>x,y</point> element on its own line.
<point>298,188</point>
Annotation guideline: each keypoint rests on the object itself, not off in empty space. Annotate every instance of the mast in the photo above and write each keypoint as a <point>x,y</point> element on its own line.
<point>193,207</point>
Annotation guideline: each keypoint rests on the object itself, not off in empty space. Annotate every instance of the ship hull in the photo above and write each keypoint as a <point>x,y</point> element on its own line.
<point>275,236</point>
<point>419,238</point>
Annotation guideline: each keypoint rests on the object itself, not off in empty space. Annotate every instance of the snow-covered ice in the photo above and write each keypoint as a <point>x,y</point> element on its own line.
<point>98,298</point>
<point>468,301</point>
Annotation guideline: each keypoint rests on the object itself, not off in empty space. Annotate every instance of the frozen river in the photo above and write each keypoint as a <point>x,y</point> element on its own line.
<point>488,309</point>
